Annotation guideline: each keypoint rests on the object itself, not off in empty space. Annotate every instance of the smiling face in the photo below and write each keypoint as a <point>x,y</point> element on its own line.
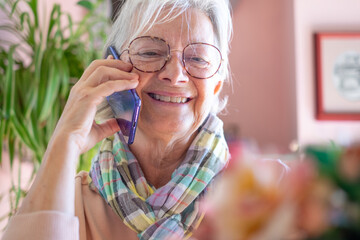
<point>173,102</point>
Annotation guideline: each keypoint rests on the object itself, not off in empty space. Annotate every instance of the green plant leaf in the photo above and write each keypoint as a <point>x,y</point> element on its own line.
<point>9,94</point>
<point>19,191</point>
<point>51,93</point>
<point>40,76</point>
<point>20,133</point>
<point>86,4</point>
<point>33,6</point>
<point>53,119</point>
<point>34,128</point>
<point>23,133</point>
<point>70,22</point>
<point>2,136</point>
<point>14,7</point>
<point>24,17</point>
<point>54,19</point>
<point>65,77</point>
<point>30,101</point>
<point>11,147</point>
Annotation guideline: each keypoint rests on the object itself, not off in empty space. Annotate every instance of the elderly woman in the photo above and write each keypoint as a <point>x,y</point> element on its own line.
<point>176,59</point>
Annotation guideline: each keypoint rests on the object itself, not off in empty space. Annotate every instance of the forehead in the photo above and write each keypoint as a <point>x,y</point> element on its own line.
<point>191,26</point>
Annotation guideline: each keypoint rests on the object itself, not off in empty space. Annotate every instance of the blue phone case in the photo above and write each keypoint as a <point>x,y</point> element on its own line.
<point>126,107</point>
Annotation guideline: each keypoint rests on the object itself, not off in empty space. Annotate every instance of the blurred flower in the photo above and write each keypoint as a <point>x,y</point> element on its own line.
<point>338,172</point>
<point>314,209</point>
<point>256,199</point>
<point>314,197</point>
<point>350,163</point>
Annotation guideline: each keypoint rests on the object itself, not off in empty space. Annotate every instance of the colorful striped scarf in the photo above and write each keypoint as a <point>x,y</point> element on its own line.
<point>173,209</point>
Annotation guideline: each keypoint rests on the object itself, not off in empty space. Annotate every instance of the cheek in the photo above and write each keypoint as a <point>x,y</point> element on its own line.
<point>206,97</point>
<point>208,93</point>
<point>143,81</point>
<point>139,88</point>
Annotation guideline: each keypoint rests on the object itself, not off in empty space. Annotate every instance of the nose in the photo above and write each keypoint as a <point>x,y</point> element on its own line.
<point>174,70</point>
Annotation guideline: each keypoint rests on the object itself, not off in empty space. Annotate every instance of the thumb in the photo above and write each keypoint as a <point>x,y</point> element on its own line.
<point>100,131</point>
<point>106,129</point>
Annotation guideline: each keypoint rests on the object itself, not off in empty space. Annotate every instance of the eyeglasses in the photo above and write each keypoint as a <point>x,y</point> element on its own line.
<point>150,54</point>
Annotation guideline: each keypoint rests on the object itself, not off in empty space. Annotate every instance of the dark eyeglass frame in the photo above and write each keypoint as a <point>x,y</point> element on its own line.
<point>168,57</point>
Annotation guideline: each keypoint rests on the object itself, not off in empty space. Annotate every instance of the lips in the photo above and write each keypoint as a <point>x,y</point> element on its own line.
<point>169,99</point>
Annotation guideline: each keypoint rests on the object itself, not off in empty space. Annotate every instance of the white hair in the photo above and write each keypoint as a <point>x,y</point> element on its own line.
<point>138,16</point>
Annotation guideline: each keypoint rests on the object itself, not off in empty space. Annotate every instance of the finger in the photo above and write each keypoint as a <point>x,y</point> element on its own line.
<point>103,74</point>
<point>109,87</point>
<point>113,63</point>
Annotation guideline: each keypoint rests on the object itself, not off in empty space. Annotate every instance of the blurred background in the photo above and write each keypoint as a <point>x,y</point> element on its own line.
<point>273,65</point>
<point>272,99</point>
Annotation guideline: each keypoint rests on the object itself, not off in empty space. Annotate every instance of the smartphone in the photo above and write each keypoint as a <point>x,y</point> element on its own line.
<point>126,107</point>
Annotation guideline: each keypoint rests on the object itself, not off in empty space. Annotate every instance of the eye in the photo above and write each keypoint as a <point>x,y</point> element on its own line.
<point>151,53</point>
<point>148,54</point>
<point>197,61</point>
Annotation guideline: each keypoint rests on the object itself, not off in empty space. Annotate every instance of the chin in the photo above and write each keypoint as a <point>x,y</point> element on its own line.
<point>182,123</point>
<point>177,126</point>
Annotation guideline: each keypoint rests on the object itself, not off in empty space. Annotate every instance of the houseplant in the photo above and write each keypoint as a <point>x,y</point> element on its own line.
<point>39,62</point>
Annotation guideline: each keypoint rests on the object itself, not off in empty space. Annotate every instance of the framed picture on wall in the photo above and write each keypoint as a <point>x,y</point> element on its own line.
<point>338,76</point>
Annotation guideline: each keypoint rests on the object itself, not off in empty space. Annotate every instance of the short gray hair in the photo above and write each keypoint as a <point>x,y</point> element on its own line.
<point>138,16</point>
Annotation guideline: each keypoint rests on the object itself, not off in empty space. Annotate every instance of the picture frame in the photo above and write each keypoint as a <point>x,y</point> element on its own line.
<point>337,76</point>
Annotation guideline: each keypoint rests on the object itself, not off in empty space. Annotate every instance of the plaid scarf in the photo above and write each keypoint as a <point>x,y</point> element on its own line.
<point>173,209</point>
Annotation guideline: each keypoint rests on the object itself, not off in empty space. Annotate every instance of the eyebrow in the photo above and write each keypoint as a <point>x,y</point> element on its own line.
<point>189,41</point>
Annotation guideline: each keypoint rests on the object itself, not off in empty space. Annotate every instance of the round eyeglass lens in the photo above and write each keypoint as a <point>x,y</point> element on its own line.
<point>201,60</point>
<point>148,54</point>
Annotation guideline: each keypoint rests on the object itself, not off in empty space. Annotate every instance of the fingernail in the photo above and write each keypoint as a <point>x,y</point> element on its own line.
<point>110,57</point>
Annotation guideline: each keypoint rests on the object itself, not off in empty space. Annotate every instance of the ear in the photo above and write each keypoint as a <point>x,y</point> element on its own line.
<point>218,87</point>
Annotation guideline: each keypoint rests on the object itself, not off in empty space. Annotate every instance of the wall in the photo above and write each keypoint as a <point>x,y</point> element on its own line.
<point>69,6</point>
<point>263,102</point>
<point>312,16</point>
<point>272,60</point>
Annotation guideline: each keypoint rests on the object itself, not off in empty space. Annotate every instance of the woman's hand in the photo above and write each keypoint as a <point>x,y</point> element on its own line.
<point>100,79</point>
<point>76,132</point>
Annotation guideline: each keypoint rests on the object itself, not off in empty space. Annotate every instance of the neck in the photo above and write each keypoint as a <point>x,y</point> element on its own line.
<point>160,155</point>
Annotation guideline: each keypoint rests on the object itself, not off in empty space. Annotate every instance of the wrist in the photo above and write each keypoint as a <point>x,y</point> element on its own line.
<point>65,146</point>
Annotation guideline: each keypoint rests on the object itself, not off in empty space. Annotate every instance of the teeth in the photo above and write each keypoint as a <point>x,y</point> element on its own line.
<point>169,99</point>
<point>164,98</point>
